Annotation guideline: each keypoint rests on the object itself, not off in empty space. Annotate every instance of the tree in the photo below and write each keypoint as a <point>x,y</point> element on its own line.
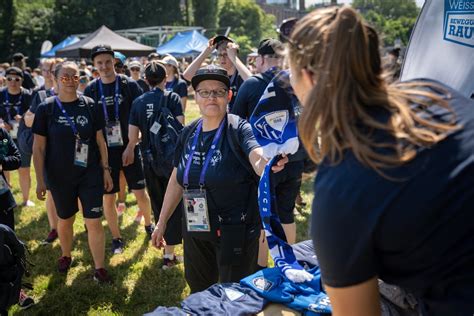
<point>245,17</point>
<point>205,13</point>
<point>390,9</point>
<point>7,22</point>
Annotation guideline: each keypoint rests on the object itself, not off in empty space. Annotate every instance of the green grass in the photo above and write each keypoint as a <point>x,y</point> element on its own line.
<point>139,285</point>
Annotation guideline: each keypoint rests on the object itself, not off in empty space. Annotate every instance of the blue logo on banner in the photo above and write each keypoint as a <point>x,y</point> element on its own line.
<point>459,21</point>
<point>272,125</point>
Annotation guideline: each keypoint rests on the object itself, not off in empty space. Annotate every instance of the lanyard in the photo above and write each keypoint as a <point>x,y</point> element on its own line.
<point>208,156</point>
<point>68,118</point>
<point>50,92</point>
<point>116,99</point>
<point>16,106</point>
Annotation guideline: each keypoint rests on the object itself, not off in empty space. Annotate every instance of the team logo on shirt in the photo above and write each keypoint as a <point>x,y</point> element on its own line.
<point>216,158</point>
<point>82,120</point>
<point>262,284</point>
<point>271,125</point>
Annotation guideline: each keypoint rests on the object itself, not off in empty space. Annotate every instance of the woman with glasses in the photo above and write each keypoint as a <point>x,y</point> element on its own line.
<point>135,73</point>
<point>14,102</point>
<point>69,148</point>
<point>394,192</point>
<point>216,161</point>
<point>173,82</point>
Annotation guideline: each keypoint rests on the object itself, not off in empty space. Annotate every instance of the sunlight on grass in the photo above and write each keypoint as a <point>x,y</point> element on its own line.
<point>140,284</point>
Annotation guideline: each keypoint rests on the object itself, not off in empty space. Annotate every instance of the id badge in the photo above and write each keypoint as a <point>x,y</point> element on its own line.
<point>114,134</point>
<point>197,216</point>
<point>14,131</point>
<point>4,187</point>
<point>81,152</point>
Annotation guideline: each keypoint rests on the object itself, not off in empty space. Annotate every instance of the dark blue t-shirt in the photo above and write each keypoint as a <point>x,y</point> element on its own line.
<point>129,91</point>
<point>230,188</point>
<point>142,109</point>
<point>60,140</point>
<point>17,104</point>
<point>416,232</point>
<point>178,86</point>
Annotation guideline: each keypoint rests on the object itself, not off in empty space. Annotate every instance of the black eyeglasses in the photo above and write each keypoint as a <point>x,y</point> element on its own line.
<point>285,29</point>
<point>220,93</point>
<point>13,79</point>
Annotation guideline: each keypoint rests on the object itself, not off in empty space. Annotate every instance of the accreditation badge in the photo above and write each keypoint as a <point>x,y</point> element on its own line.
<point>114,134</point>
<point>197,215</point>
<point>81,153</point>
<point>14,131</point>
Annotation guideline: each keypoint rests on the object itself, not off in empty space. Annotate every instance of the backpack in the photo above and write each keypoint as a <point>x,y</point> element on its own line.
<point>13,265</point>
<point>163,131</point>
<point>25,134</point>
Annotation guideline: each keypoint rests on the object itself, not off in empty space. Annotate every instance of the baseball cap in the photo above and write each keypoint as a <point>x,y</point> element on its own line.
<point>120,56</point>
<point>14,71</point>
<point>269,46</point>
<point>153,55</point>
<point>170,60</point>
<point>101,49</point>
<point>155,70</point>
<point>134,63</point>
<point>210,72</point>
<point>221,38</point>
<point>18,57</point>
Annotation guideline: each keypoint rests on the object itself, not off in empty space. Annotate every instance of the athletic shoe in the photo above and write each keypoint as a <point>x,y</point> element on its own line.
<point>139,217</point>
<point>117,246</point>
<point>52,236</point>
<point>64,263</point>
<point>169,263</point>
<point>149,230</point>
<point>121,209</point>
<point>24,301</point>
<point>101,276</point>
<point>28,204</point>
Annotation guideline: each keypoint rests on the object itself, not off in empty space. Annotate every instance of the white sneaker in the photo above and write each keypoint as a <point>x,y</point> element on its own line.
<point>29,203</point>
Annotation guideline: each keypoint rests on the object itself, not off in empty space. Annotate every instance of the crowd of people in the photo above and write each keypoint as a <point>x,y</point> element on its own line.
<point>393,192</point>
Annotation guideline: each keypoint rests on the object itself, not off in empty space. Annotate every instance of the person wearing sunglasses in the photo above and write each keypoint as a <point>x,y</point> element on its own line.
<point>394,192</point>
<point>135,73</point>
<point>69,151</point>
<point>114,94</point>
<point>14,103</point>
<point>173,82</point>
<point>216,161</point>
<point>227,56</point>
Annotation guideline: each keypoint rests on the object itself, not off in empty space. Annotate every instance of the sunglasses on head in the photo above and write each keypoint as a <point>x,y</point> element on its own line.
<point>13,79</point>
<point>74,78</point>
<point>285,29</point>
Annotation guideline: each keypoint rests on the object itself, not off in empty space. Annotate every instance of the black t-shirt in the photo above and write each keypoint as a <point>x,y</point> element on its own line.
<point>38,97</point>
<point>142,109</point>
<point>178,86</point>
<point>142,83</point>
<point>60,148</point>
<point>17,104</point>
<point>250,92</point>
<point>416,232</point>
<point>28,82</point>
<point>129,91</point>
<point>235,83</point>
<point>230,188</point>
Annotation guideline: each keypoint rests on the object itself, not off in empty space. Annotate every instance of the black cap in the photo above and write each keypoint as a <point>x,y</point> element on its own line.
<point>101,49</point>
<point>210,73</point>
<point>14,71</point>
<point>221,38</point>
<point>155,70</point>
<point>269,46</point>
<point>18,57</point>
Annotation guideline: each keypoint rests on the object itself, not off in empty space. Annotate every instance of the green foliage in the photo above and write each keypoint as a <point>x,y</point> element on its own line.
<point>7,22</point>
<point>205,13</point>
<point>392,18</point>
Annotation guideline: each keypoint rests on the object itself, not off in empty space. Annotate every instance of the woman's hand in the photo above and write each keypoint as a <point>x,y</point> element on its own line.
<point>157,239</point>
<point>108,183</point>
<point>280,164</point>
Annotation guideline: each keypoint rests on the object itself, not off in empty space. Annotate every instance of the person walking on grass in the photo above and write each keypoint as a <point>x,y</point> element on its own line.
<point>70,153</point>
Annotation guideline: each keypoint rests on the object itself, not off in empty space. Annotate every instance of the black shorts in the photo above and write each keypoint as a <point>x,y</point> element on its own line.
<point>25,157</point>
<point>133,173</point>
<point>88,189</point>
<point>286,184</point>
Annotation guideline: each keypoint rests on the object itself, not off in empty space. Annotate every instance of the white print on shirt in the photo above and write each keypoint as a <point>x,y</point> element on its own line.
<point>149,110</point>
<point>82,120</point>
<point>199,157</point>
<point>110,100</point>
